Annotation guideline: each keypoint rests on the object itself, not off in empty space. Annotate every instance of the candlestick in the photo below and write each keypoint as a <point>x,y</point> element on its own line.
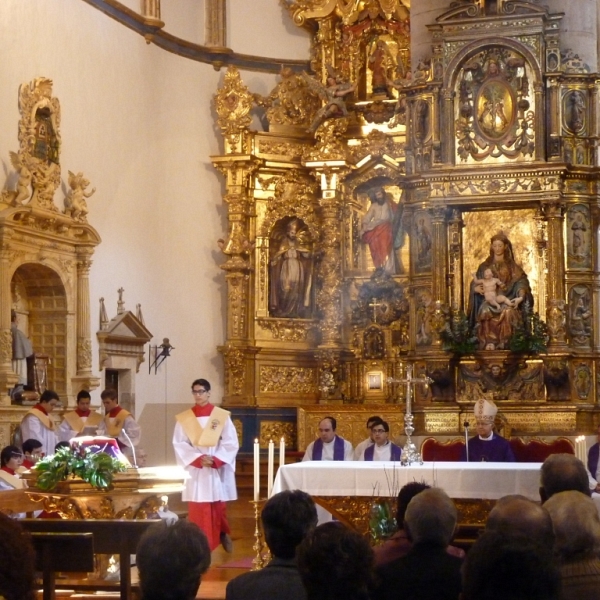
<point>256,471</point>
<point>281,452</point>
<point>270,468</point>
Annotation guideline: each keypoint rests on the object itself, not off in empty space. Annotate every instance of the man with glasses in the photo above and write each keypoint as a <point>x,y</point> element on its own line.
<point>206,444</point>
<point>382,449</point>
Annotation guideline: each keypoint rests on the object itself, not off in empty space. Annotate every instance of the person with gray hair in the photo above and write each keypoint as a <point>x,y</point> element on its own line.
<point>577,546</point>
<point>516,514</point>
<point>562,473</point>
<point>427,572</point>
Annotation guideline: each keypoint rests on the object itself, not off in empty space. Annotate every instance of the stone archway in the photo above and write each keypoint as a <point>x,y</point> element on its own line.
<point>40,300</point>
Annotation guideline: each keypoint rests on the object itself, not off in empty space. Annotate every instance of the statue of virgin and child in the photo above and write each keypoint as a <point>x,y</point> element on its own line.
<point>499,293</point>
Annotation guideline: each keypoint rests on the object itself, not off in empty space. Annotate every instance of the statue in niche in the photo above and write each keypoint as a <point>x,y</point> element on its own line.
<point>424,243</point>
<point>44,129</point>
<point>373,343</point>
<point>382,231</point>
<point>291,267</point>
<point>580,315</point>
<point>494,324</point>
<point>579,244</point>
<point>22,350</point>
<point>576,111</point>
<point>377,63</point>
<point>421,122</point>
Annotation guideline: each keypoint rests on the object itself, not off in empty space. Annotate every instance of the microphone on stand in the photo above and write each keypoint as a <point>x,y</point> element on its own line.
<point>133,449</point>
<point>466,425</point>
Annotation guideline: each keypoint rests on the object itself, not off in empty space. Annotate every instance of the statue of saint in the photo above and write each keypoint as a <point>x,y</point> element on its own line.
<point>494,322</point>
<point>21,349</point>
<point>381,230</point>
<point>291,272</point>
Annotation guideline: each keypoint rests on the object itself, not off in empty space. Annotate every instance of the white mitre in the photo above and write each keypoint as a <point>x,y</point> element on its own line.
<point>484,410</point>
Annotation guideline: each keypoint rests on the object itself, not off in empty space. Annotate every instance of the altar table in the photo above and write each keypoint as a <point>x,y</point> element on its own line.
<point>347,489</point>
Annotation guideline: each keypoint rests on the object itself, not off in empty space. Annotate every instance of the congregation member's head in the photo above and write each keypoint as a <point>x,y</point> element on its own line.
<point>32,450</point>
<point>431,518</point>
<point>509,567</point>
<point>327,427</point>
<point>17,567</point>
<point>406,494</point>
<point>110,399</point>
<point>171,560</point>
<point>576,526</point>
<point>517,514</point>
<point>11,457</point>
<point>336,563</point>
<point>61,445</point>
<point>380,433</point>
<point>287,518</point>
<point>84,400</point>
<point>201,391</point>
<point>48,400</point>
<point>563,473</point>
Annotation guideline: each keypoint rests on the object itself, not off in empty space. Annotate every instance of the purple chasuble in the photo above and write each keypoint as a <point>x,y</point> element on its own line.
<point>338,449</point>
<point>495,450</point>
<point>394,455</point>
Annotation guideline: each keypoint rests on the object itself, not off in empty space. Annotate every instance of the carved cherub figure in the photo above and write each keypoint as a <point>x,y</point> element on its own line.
<point>75,204</point>
<point>333,94</point>
<point>23,193</point>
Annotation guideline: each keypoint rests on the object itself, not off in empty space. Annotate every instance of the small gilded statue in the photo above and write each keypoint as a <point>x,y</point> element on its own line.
<point>23,192</point>
<point>333,94</point>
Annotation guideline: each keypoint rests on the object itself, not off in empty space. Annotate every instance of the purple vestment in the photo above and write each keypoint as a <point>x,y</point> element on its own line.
<point>495,450</point>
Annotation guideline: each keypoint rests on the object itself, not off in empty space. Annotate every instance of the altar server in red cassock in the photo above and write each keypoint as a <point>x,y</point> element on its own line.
<point>206,444</point>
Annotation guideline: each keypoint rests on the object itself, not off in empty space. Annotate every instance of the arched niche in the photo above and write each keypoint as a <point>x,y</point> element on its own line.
<point>41,304</point>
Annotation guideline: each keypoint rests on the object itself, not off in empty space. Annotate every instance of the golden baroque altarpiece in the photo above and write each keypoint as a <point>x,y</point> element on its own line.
<point>386,202</point>
<point>46,258</point>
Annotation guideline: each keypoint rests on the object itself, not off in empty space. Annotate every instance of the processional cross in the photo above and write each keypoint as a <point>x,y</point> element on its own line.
<point>409,452</point>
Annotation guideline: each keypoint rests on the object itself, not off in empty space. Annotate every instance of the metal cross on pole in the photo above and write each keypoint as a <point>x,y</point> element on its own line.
<point>375,305</point>
<point>410,453</point>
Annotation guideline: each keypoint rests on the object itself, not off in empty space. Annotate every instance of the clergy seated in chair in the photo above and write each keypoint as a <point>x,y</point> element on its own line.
<point>487,445</point>
<point>537,450</point>
<point>449,451</point>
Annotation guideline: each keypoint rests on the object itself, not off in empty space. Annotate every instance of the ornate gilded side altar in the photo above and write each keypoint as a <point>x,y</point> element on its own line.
<point>136,494</point>
<point>439,213</point>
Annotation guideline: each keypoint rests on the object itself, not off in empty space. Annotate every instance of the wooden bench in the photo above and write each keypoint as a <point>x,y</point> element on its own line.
<point>109,537</point>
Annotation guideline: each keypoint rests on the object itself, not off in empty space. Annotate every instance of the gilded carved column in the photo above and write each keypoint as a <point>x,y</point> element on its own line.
<point>540,125</point>
<point>440,251</point>
<point>8,378</point>
<point>84,339</point>
<point>448,126</point>
<point>556,310</point>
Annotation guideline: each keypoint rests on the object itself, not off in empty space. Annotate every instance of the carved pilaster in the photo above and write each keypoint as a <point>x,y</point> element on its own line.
<point>455,284</point>
<point>8,378</point>
<point>84,340</point>
<point>540,126</point>
<point>151,13</point>
<point>448,129</point>
<point>554,213</point>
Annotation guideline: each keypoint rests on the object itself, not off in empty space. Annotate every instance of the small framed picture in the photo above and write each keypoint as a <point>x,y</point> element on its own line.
<point>375,381</point>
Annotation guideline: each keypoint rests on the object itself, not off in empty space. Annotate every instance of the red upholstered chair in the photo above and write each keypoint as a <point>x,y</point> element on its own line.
<point>432,449</point>
<point>536,450</point>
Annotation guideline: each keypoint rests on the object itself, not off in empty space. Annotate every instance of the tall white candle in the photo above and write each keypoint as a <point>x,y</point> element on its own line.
<point>281,452</point>
<point>256,471</point>
<point>270,467</point>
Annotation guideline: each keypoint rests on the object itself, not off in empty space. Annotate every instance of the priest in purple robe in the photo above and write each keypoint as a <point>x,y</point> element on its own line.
<point>329,445</point>
<point>487,446</point>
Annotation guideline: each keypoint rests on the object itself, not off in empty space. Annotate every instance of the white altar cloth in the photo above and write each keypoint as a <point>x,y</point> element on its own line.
<point>488,481</point>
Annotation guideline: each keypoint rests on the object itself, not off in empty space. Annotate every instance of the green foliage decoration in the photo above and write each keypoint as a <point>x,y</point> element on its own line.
<point>530,336</point>
<point>457,336</point>
<point>96,468</point>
